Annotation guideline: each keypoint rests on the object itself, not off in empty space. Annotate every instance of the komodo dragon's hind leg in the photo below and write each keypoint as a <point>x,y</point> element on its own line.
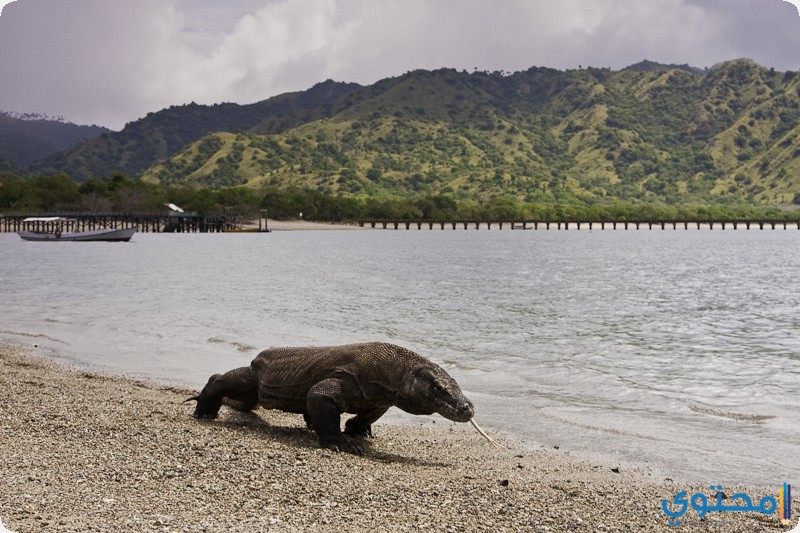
<point>237,388</point>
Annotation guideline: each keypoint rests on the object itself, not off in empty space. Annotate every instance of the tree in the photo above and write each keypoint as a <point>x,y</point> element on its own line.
<point>56,192</point>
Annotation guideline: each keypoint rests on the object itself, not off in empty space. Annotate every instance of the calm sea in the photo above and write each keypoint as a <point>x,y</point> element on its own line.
<point>677,350</point>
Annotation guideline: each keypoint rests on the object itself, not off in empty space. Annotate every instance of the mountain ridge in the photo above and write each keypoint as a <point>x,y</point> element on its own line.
<point>27,138</point>
<point>159,134</point>
<point>670,133</point>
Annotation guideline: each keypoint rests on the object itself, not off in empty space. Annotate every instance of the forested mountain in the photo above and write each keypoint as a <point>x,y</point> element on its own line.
<point>159,135</point>
<point>26,138</point>
<point>649,132</point>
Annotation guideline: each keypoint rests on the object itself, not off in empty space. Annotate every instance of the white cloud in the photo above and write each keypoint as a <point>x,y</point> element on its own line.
<point>96,61</point>
<point>3,4</point>
<point>279,47</point>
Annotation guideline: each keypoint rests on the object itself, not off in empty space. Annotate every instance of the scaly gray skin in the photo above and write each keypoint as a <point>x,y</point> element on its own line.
<point>321,383</point>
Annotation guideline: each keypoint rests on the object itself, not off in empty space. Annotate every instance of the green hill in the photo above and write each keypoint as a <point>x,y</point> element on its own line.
<point>159,135</point>
<point>670,134</point>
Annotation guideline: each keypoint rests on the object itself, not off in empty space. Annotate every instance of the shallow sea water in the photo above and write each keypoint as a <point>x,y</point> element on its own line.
<point>678,350</point>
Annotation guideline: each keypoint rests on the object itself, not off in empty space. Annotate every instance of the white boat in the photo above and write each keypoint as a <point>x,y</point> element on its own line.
<point>54,232</point>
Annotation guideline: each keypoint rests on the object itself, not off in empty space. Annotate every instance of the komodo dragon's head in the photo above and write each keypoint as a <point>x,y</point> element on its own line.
<point>432,390</point>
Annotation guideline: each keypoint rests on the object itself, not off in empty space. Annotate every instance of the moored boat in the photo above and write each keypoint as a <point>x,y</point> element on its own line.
<point>55,232</point>
<point>119,235</point>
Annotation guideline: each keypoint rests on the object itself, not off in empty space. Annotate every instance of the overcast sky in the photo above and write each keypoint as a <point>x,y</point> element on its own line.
<point>108,62</point>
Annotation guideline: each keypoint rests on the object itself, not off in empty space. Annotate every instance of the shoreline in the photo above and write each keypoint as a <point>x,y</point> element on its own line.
<point>304,225</point>
<point>87,451</point>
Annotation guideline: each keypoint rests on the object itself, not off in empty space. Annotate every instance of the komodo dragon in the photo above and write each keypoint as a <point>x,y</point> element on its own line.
<point>321,383</point>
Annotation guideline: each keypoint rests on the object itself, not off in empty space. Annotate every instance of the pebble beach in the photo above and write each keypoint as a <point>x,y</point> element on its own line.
<point>88,452</point>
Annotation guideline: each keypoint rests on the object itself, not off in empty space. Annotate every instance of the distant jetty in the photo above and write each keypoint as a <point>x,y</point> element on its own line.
<point>567,224</point>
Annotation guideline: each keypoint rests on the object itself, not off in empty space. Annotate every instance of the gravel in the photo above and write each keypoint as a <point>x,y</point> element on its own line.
<point>87,452</point>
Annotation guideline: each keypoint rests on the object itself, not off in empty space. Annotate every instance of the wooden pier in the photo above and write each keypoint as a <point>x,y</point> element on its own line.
<point>144,223</point>
<point>214,224</point>
<point>566,224</point>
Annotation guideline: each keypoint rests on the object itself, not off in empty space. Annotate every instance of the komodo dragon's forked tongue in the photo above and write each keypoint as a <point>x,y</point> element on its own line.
<point>483,433</point>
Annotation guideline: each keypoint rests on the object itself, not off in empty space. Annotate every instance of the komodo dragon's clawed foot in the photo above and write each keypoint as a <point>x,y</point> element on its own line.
<point>206,408</point>
<point>352,428</point>
<point>342,444</point>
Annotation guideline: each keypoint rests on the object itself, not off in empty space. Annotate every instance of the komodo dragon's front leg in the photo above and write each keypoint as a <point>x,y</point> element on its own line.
<point>326,401</point>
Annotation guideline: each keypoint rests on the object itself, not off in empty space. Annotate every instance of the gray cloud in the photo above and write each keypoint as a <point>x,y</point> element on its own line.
<point>108,62</point>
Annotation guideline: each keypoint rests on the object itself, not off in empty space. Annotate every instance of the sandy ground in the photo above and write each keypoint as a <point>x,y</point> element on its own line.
<point>299,225</point>
<point>87,452</point>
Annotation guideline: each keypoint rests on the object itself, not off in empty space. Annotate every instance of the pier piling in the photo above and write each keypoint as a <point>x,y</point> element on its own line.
<point>565,224</point>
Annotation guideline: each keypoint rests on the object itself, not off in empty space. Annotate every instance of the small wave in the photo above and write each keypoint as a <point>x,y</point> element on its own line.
<point>609,430</point>
<point>56,321</point>
<point>33,336</point>
<point>238,345</point>
<point>243,347</point>
<point>739,417</point>
<point>461,366</point>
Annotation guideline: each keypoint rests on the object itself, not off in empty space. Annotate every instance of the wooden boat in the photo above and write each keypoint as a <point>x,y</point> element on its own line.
<point>119,235</point>
<point>54,232</point>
